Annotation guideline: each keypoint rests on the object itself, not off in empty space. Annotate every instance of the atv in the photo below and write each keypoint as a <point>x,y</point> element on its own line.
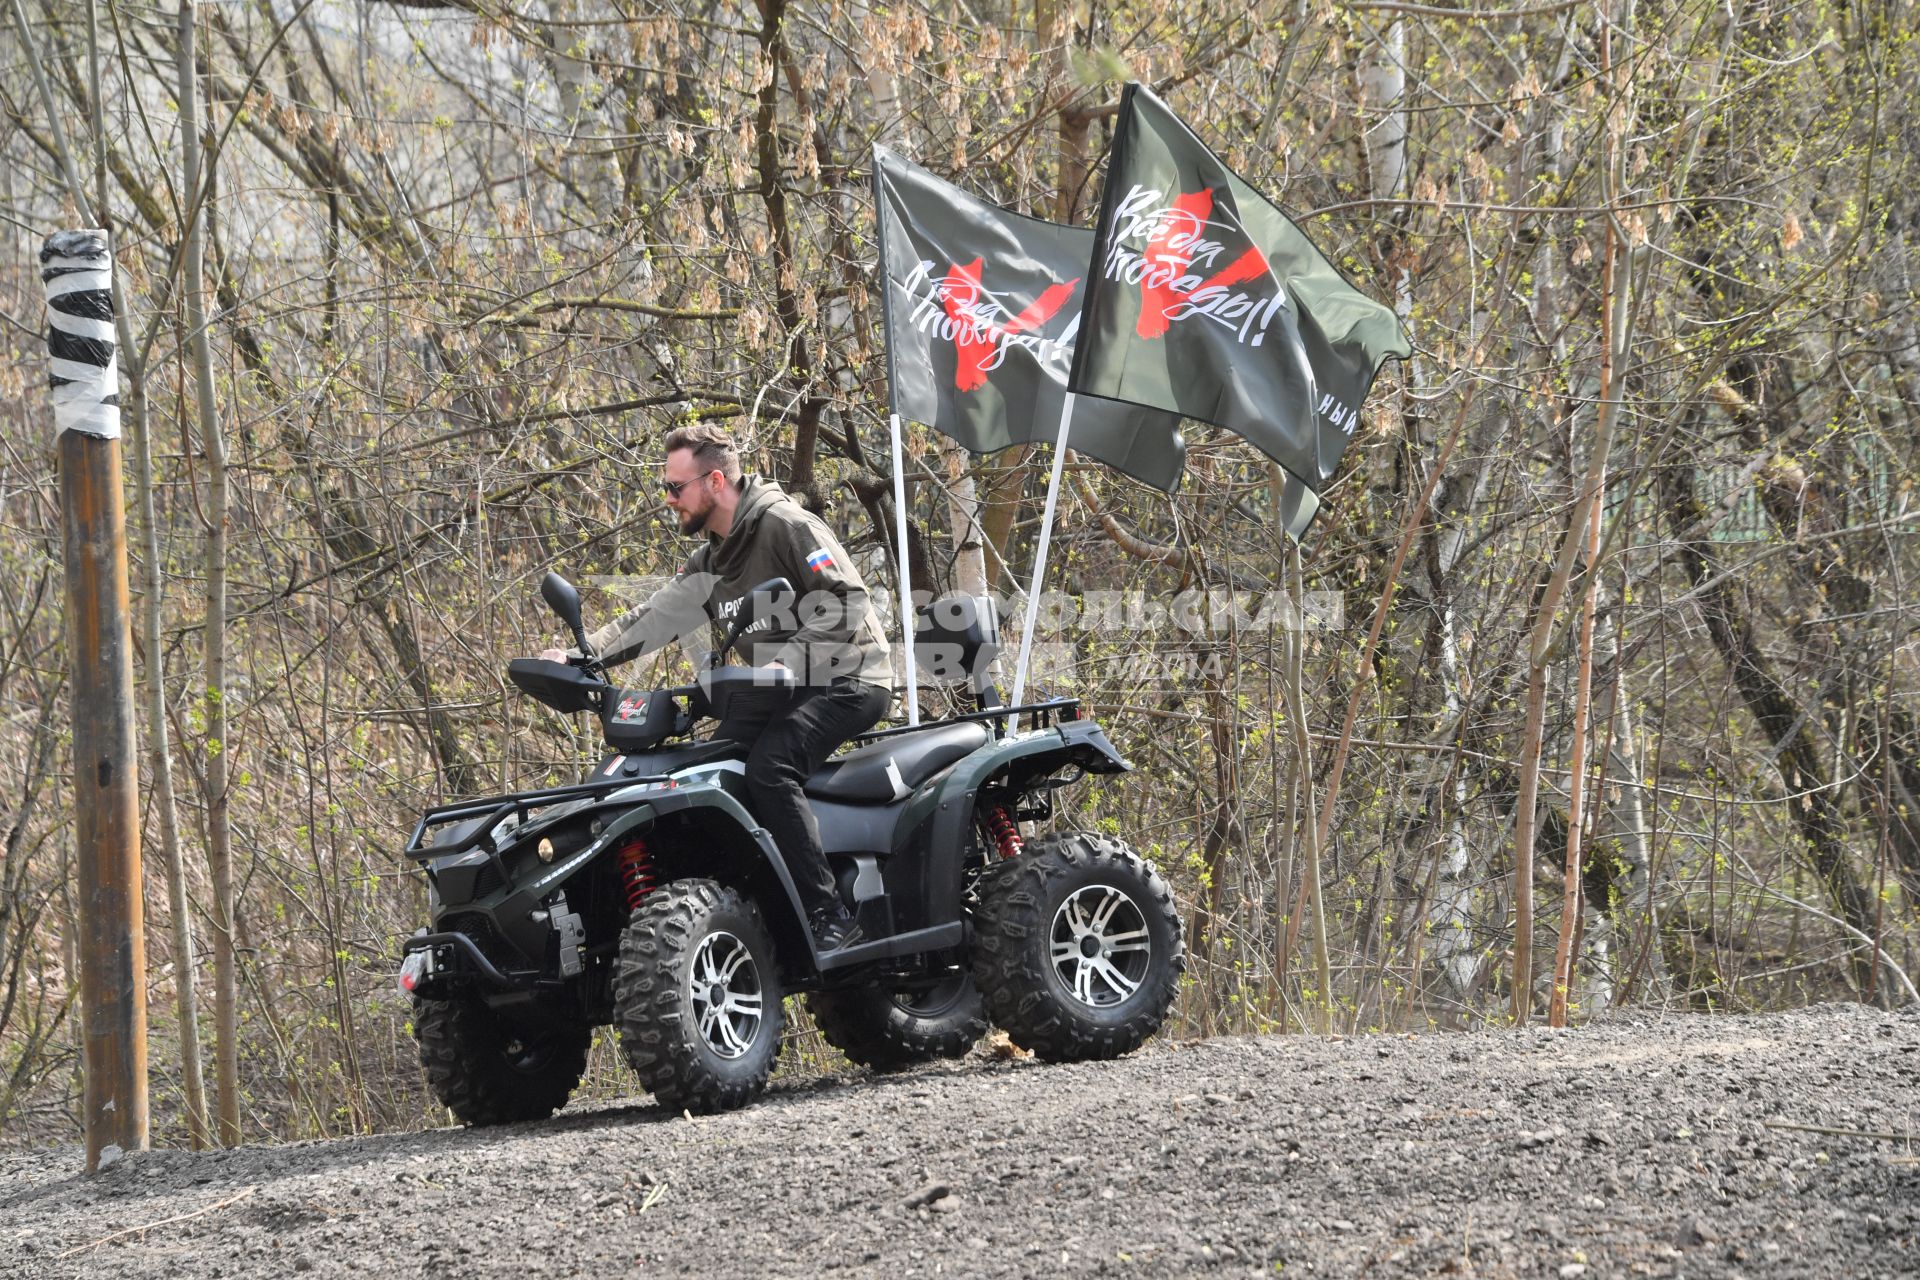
<point>647,897</point>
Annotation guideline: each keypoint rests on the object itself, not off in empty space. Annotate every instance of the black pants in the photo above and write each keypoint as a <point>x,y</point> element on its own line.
<point>788,744</point>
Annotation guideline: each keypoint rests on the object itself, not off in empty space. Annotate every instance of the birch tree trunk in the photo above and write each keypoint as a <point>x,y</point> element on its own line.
<point>1448,924</point>
<point>1384,81</point>
<point>1616,275</point>
<point>1632,914</point>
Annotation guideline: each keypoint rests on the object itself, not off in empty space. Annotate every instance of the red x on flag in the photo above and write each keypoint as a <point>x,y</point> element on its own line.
<point>976,334</point>
<point>1158,297</point>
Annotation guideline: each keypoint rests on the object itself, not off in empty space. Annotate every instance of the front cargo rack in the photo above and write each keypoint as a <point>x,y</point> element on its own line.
<point>484,814</point>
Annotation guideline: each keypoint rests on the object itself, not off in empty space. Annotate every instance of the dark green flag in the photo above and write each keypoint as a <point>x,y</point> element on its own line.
<point>1204,299</point>
<point>982,309</point>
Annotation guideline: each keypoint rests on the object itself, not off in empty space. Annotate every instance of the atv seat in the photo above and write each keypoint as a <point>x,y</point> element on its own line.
<point>891,768</point>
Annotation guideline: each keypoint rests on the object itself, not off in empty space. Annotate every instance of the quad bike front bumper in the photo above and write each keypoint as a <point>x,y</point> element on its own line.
<point>436,964</point>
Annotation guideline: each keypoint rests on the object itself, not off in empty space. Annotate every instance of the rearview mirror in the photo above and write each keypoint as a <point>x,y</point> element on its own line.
<point>772,595</point>
<point>564,600</point>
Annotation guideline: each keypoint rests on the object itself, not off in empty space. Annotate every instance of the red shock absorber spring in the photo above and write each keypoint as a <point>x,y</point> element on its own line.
<point>636,872</point>
<point>1005,834</point>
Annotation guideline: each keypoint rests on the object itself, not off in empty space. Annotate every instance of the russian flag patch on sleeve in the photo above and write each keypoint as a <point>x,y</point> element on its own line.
<point>820,561</point>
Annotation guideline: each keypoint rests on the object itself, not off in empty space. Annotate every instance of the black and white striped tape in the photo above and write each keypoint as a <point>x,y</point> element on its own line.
<point>78,271</point>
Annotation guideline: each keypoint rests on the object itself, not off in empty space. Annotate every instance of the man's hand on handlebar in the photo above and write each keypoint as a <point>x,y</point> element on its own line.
<point>589,665</point>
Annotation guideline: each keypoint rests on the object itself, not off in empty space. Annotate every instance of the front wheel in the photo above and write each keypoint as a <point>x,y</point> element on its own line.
<point>1077,947</point>
<point>697,998</point>
<point>486,1071</point>
<point>887,1030</point>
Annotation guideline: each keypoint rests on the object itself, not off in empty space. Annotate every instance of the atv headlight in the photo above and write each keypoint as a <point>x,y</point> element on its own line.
<point>544,849</point>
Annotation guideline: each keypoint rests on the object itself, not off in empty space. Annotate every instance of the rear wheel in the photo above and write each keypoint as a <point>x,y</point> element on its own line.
<point>887,1030</point>
<point>697,998</point>
<point>486,1071</point>
<point>1077,947</point>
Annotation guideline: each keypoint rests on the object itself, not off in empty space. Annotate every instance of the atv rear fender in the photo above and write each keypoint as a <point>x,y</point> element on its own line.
<point>939,819</point>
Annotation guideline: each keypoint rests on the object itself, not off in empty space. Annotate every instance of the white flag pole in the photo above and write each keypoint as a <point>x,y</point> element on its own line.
<point>906,575</point>
<point>899,459</point>
<point>1040,557</point>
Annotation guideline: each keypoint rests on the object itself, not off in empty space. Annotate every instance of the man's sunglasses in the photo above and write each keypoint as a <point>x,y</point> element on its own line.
<point>672,488</point>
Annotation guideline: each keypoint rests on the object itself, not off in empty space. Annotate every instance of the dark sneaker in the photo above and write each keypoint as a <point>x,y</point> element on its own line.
<point>834,929</point>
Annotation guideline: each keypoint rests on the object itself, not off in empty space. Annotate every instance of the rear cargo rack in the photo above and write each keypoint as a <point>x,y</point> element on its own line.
<point>1043,713</point>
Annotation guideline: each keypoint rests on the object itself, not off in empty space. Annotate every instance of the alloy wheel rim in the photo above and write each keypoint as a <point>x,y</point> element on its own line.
<point>525,1055</point>
<point>723,987</point>
<point>1100,946</point>
<point>935,1000</point>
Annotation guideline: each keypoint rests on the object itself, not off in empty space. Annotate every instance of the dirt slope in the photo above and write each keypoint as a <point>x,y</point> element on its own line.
<point>1637,1146</point>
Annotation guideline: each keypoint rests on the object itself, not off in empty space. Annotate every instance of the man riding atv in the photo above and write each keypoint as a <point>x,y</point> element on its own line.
<point>829,637</point>
<point>658,896</point>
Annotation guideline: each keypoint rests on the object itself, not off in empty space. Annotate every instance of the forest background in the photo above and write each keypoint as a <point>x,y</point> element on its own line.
<point>1616,573</point>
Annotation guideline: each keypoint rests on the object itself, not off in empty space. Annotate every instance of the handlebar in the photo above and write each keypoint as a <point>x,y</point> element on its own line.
<point>580,683</point>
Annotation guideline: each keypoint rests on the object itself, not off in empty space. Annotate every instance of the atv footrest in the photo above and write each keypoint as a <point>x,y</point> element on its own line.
<point>937,938</point>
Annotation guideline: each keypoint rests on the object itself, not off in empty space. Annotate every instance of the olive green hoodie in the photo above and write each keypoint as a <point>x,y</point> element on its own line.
<point>831,630</point>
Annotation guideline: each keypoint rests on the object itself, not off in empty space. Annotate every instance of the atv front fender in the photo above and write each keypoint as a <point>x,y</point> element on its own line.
<point>637,811</point>
<point>786,918</point>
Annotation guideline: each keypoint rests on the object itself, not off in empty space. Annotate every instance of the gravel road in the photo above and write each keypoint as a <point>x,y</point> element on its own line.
<point>1633,1146</point>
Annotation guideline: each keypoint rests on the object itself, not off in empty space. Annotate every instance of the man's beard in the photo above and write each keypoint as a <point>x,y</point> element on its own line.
<point>692,525</point>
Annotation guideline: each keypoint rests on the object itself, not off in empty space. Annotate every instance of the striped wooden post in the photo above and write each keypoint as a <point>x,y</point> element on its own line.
<point>78,270</point>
